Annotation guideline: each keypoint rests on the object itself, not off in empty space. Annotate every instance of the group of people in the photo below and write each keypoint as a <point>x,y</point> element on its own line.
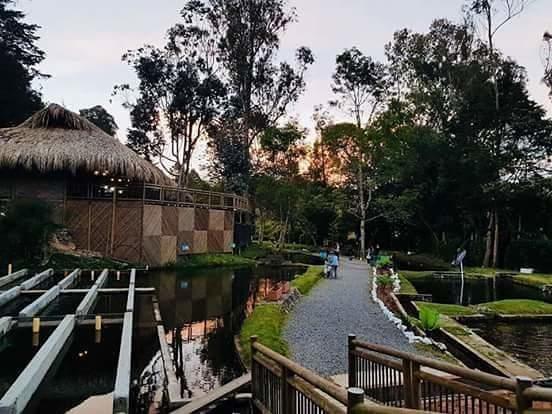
<point>331,262</point>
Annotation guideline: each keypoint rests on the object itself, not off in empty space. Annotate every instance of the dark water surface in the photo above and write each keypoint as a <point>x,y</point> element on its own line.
<point>202,311</point>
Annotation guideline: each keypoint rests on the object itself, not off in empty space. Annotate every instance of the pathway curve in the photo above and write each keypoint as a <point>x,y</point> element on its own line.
<point>318,327</point>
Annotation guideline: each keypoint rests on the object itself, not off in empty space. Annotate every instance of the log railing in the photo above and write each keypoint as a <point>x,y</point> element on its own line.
<point>400,379</point>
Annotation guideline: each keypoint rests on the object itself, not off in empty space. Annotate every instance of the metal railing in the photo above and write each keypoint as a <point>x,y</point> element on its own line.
<point>281,386</point>
<point>157,194</point>
<point>400,379</point>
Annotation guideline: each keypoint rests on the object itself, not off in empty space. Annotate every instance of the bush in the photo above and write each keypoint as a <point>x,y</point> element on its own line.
<point>429,319</point>
<point>25,226</point>
<point>384,281</point>
<point>529,253</point>
<point>419,262</point>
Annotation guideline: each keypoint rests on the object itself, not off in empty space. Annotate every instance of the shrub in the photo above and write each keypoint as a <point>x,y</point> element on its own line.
<point>384,262</point>
<point>25,226</point>
<point>429,319</point>
<point>419,262</point>
<point>529,253</point>
<point>384,281</point>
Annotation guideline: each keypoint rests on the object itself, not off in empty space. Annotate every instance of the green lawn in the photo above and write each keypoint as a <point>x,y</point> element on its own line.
<point>517,307</point>
<point>213,260</point>
<point>305,282</point>
<point>406,286</point>
<point>447,309</point>
<point>267,323</point>
<point>413,275</point>
<point>535,279</point>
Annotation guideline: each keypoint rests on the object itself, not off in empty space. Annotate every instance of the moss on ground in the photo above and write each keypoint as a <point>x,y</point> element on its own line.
<point>267,323</point>
<point>432,351</point>
<point>447,309</point>
<point>68,261</point>
<point>516,307</point>
<point>406,286</point>
<point>305,282</point>
<point>213,260</point>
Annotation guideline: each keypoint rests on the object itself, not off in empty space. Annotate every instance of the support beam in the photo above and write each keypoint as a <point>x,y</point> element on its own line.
<point>9,295</point>
<point>68,281</point>
<point>6,323</point>
<point>121,394</point>
<point>131,287</point>
<point>12,277</point>
<point>37,279</point>
<point>90,299</point>
<point>21,391</point>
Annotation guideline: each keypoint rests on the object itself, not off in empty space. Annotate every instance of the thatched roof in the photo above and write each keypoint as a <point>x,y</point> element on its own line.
<point>55,139</point>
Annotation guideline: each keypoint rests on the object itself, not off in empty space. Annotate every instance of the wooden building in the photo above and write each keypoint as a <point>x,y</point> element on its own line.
<point>112,201</point>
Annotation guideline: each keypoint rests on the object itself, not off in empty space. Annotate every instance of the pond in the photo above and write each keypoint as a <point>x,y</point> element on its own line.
<point>447,290</point>
<point>528,341</point>
<point>202,310</point>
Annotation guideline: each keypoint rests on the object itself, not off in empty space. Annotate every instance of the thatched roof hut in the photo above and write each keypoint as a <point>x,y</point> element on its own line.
<point>56,140</point>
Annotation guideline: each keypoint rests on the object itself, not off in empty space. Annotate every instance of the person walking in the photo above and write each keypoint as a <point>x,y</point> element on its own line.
<point>333,262</point>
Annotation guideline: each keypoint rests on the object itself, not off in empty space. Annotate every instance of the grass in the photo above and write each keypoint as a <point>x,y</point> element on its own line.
<point>69,261</point>
<point>267,323</point>
<point>535,279</point>
<point>406,286</point>
<point>517,307</point>
<point>256,251</point>
<point>305,282</point>
<point>447,309</point>
<point>213,260</point>
<point>415,275</point>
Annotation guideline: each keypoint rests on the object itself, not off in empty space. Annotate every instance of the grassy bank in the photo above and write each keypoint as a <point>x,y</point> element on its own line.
<point>305,282</point>
<point>406,286</point>
<point>535,279</point>
<point>516,307</point>
<point>447,309</point>
<point>267,323</point>
<point>213,260</point>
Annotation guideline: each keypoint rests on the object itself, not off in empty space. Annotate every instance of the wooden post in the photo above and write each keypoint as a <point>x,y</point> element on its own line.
<point>416,384</point>
<point>10,268</point>
<point>254,385</point>
<point>407,383</point>
<point>355,397</point>
<point>523,404</point>
<point>286,397</point>
<point>352,370</point>
<point>36,325</point>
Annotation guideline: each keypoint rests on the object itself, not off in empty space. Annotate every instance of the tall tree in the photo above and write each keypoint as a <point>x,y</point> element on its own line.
<point>359,84</point>
<point>246,35</point>
<point>101,118</point>
<point>19,55</point>
<point>547,59</point>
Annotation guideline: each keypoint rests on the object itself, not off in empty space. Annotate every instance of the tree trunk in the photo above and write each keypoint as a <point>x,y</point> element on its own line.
<point>519,228</point>
<point>362,213</point>
<point>496,240</point>
<point>489,241</point>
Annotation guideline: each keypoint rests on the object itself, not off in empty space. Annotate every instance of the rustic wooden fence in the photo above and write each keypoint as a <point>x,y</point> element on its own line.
<point>400,379</point>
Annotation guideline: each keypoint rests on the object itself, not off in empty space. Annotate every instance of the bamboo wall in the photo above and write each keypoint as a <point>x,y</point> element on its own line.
<point>150,234</point>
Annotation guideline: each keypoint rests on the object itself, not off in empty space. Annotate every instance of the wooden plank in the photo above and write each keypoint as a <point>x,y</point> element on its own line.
<point>215,395</point>
<point>37,279</point>
<point>121,394</point>
<point>12,277</point>
<point>88,302</point>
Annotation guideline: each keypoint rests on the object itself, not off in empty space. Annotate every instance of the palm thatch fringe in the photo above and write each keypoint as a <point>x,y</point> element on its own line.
<point>56,139</point>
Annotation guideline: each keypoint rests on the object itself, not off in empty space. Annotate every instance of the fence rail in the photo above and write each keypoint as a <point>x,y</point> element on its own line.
<point>157,194</point>
<point>400,379</point>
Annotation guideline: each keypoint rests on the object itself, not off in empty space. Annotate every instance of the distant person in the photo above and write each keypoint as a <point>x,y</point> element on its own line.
<point>337,249</point>
<point>333,263</point>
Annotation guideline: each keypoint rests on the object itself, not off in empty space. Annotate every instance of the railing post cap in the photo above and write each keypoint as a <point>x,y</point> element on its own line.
<point>355,391</point>
<point>253,338</point>
<point>353,336</point>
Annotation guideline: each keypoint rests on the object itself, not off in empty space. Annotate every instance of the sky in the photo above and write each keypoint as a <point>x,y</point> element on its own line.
<point>84,41</point>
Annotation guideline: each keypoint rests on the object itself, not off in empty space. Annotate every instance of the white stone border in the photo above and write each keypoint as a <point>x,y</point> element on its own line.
<point>412,338</point>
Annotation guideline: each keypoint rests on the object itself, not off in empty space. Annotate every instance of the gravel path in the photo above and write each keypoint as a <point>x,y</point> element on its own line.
<point>318,326</point>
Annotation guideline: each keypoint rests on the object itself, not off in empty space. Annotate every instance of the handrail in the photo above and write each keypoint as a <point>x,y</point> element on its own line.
<point>489,379</point>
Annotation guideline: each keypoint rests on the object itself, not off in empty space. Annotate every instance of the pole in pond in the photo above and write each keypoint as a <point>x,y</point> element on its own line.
<point>118,275</point>
<point>92,275</point>
<point>36,339</point>
<point>98,329</point>
<point>36,332</point>
<point>10,268</point>
<point>459,261</point>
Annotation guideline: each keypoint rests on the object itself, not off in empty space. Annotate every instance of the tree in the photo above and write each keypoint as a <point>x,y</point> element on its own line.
<point>547,59</point>
<point>359,84</point>
<point>178,98</point>
<point>245,36</point>
<point>19,56</point>
<point>101,118</point>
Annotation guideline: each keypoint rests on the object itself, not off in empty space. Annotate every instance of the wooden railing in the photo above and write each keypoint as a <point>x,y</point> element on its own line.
<point>281,386</point>
<point>157,194</point>
<point>400,379</point>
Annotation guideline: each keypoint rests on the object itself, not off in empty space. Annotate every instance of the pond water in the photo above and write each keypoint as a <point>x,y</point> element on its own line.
<point>529,341</point>
<point>447,290</point>
<point>202,311</point>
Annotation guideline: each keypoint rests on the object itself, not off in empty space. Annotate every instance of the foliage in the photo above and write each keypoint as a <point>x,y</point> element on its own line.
<point>384,261</point>
<point>418,262</point>
<point>517,307</point>
<point>60,261</point>
<point>267,323</point>
<point>213,260</point>
<point>101,118</point>
<point>305,282</point>
<point>26,227</point>
<point>429,318</point>
<point>535,254</point>
<point>384,281</point>
<point>20,56</point>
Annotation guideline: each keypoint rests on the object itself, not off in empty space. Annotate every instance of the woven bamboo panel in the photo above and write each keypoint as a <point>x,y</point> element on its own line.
<point>200,242</point>
<point>152,220</point>
<point>100,226</point>
<point>169,225</point>
<point>201,220</point>
<point>215,241</point>
<point>186,218</point>
<point>168,249</point>
<point>128,222</point>
<point>76,220</point>
<point>216,220</point>
<point>151,250</point>
<point>228,220</point>
<point>228,240</point>
<point>185,237</point>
